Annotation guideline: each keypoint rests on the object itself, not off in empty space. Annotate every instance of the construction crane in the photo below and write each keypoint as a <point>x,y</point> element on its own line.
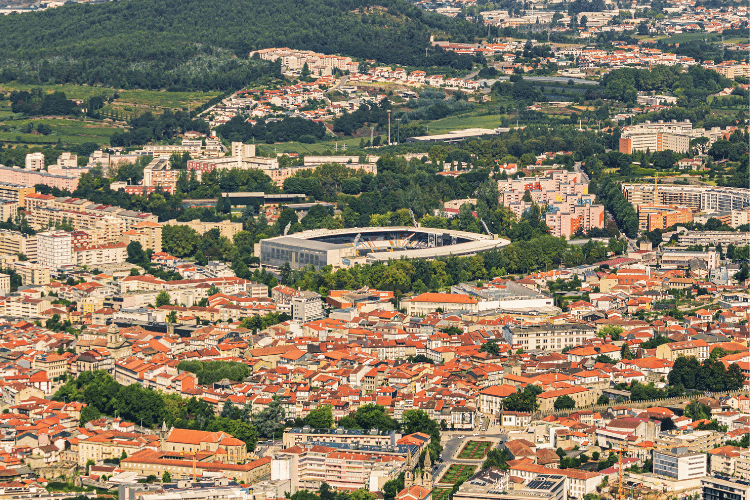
<point>620,450</point>
<point>413,219</point>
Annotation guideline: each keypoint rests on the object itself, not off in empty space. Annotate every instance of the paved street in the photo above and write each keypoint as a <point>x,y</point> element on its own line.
<point>452,442</point>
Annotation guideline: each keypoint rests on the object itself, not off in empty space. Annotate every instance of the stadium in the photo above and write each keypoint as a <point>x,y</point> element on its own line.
<point>346,247</point>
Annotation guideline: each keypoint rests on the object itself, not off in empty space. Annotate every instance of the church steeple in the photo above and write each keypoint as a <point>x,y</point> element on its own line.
<point>409,474</point>
<point>427,471</point>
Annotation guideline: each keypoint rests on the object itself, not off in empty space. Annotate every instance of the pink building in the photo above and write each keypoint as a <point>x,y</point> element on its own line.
<point>18,175</point>
<point>569,206</point>
<point>565,223</point>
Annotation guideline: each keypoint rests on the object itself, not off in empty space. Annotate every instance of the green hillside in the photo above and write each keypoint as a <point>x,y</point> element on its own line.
<point>204,45</point>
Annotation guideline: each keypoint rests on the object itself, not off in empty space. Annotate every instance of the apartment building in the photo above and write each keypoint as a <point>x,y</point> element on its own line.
<point>308,466</point>
<point>680,464</point>
<point>8,210</point>
<point>4,284</point>
<point>147,233</point>
<point>646,137</point>
<point>104,223</point>
<point>15,192</point>
<point>724,460</point>
<point>652,217</point>
<point>32,273</point>
<point>713,238</point>
<point>107,253</point>
<point>710,199</point>
<point>719,487</point>
<point>302,435</point>
<point>35,161</point>
<point>55,249</point>
<point>565,223</point>
<point>30,178</point>
<point>54,364</point>
<point>742,465</point>
<point>697,441</point>
<point>226,228</point>
<point>548,337</point>
<point>24,307</point>
<point>157,175</point>
<point>426,303</point>
<point>698,349</point>
<point>14,242</point>
<point>737,217</point>
<point>302,305</point>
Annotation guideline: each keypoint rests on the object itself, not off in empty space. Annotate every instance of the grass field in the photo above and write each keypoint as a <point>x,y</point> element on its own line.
<point>129,100</point>
<point>68,131</point>
<point>455,471</point>
<point>475,450</point>
<point>470,120</point>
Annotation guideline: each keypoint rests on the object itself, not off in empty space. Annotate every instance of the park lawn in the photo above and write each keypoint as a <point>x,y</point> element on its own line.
<point>71,131</point>
<point>475,450</point>
<point>455,471</point>
<point>142,100</point>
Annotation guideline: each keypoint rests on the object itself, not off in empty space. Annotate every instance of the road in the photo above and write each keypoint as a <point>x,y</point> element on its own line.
<point>341,83</point>
<point>453,441</point>
<point>579,171</point>
<point>550,79</point>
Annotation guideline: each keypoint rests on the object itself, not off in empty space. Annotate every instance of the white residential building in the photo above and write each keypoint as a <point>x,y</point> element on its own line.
<point>680,464</point>
<point>55,249</point>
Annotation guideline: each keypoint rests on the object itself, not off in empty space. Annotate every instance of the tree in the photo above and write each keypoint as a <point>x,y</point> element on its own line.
<point>162,299</point>
<point>602,400</point>
<point>88,414</point>
<point>89,463</point>
<point>229,410</point>
<point>610,331</point>
<point>565,402</point>
<point>667,425</point>
<point>496,458</point>
<point>490,347</point>
<point>268,420</point>
<point>369,416</point>
<point>698,411</point>
<point>320,417</point>
<point>419,421</point>
<point>136,255</point>
<point>166,477</point>
<point>523,401</point>
<point>392,487</point>
<point>625,352</point>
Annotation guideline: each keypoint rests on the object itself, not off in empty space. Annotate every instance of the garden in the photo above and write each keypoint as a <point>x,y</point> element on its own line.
<point>475,450</point>
<point>441,494</point>
<point>456,471</point>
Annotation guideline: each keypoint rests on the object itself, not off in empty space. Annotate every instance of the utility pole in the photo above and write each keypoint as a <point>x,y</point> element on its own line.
<point>389,127</point>
<point>372,130</point>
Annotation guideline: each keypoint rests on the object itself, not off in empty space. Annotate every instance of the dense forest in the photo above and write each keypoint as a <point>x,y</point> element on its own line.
<point>193,44</point>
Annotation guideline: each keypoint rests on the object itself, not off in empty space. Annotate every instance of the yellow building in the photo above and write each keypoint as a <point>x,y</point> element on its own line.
<point>147,233</point>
